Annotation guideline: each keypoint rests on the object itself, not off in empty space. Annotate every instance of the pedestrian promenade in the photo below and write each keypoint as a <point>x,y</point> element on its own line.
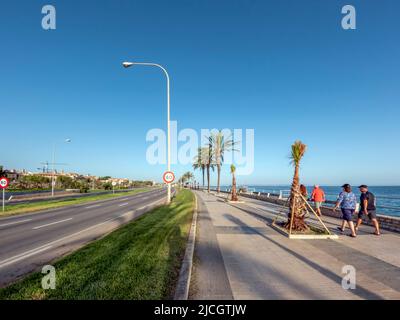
<point>239,256</point>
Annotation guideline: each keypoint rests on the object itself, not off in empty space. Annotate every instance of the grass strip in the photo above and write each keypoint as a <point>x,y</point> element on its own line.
<point>138,261</point>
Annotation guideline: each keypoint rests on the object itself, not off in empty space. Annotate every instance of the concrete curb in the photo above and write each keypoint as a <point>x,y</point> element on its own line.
<point>182,287</point>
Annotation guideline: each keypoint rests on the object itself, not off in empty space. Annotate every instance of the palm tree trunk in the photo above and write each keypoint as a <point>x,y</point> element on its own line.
<point>202,171</point>
<point>234,194</point>
<point>219,178</point>
<point>208,178</point>
<point>296,219</point>
<point>295,187</point>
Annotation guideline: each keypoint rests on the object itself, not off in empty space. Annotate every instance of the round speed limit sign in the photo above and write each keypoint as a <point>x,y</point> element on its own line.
<point>168,177</point>
<point>4,183</point>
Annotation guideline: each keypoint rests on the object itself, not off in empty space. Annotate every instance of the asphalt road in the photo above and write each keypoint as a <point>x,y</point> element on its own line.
<point>46,196</point>
<point>30,241</point>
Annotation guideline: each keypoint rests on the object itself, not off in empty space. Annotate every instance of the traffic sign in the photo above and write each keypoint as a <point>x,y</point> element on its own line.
<point>168,177</point>
<point>4,182</point>
<point>114,183</point>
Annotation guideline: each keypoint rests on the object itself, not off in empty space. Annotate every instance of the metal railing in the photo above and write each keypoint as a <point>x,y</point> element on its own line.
<point>285,193</point>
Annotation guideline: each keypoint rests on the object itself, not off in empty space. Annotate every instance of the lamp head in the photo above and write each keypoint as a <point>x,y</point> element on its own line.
<point>127,64</point>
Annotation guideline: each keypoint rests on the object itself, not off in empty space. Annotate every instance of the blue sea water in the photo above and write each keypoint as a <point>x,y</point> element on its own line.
<point>387,197</point>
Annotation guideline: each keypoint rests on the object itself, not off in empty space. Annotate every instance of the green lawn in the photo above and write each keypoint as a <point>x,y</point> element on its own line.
<point>139,261</point>
<point>51,204</point>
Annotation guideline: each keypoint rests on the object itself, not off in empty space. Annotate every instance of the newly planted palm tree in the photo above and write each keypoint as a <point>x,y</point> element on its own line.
<point>296,217</point>
<point>220,144</point>
<point>234,196</point>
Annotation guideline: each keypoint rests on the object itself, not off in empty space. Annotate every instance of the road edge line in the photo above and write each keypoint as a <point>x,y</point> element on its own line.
<point>182,287</point>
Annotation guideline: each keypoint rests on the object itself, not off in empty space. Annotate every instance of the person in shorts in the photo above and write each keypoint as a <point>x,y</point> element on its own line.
<point>318,196</point>
<point>348,202</point>
<point>368,208</point>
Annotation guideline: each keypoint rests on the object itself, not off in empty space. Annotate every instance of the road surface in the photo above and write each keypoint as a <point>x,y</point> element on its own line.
<point>30,241</point>
<point>38,196</point>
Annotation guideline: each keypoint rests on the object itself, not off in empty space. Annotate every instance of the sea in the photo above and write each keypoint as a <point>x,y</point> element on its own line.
<point>387,197</point>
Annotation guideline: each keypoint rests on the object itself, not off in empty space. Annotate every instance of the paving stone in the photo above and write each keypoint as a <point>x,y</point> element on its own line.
<point>250,260</point>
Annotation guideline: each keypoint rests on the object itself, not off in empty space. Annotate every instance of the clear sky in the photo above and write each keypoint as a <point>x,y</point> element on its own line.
<point>284,68</point>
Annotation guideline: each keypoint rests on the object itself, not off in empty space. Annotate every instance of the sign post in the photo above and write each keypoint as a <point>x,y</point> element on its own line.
<point>4,182</point>
<point>113,185</point>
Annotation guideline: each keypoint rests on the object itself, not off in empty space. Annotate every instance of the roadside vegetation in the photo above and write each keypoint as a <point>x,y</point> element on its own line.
<point>138,261</point>
<point>52,204</point>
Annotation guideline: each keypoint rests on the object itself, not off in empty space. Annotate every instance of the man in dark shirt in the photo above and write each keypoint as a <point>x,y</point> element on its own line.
<point>368,207</point>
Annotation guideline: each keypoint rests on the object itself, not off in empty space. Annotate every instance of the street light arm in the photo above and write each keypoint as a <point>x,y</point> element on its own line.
<point>154,65</point>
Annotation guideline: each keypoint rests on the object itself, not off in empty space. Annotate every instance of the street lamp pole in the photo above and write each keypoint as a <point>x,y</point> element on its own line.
<point>53,181</point>
<point>53,169</point>
<point>129,64</point>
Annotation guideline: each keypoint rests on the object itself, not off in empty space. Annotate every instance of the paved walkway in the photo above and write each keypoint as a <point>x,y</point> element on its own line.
<point>239,256</point>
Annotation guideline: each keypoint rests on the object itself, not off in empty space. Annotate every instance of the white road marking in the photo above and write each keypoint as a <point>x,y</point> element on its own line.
<point>16,222</point>
<point>49,245</point>
<point>148,205</point>
<point>93,206</point>
<point>50,224</point>
<point>22,256</point>
<point>123,204</point>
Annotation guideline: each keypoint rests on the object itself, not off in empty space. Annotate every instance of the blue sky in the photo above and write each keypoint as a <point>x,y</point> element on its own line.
<point>283,68</point>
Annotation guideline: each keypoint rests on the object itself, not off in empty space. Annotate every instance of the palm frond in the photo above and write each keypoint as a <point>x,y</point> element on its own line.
<point>297,152</point>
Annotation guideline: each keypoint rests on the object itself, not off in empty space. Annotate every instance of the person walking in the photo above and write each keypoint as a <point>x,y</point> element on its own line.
<point>303,191</point>
<point>348,202</point>
<point>368,207</point>
<point>318,196</point>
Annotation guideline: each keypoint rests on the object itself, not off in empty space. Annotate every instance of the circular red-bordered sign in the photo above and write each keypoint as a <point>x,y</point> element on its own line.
<point>168,177</point>
<point>4,182</point>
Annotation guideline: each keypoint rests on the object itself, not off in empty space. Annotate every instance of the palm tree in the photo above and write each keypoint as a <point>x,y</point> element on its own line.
<point>187,176</point>
<point>208,159</point>
<point>234,194</point>
<point>296,218</point>
<point>220,144</point>
<point>190,177</point>
<point>200,160</point>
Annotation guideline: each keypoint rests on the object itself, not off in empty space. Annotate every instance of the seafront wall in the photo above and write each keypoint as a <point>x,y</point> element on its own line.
<point>386,222</point>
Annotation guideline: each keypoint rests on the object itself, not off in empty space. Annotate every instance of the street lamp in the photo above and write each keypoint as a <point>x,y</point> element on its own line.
<point>130,64</point>
<point>53,164</point>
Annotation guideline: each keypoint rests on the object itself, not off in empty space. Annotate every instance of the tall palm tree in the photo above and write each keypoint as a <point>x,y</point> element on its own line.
<point>208,157</point>
<point>220,144</point>
<point>200,160</point>
<point>234,194</point>
<point>296,218</point>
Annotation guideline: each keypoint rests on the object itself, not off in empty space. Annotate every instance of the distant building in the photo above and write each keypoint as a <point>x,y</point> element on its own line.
<point>12,175</point>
